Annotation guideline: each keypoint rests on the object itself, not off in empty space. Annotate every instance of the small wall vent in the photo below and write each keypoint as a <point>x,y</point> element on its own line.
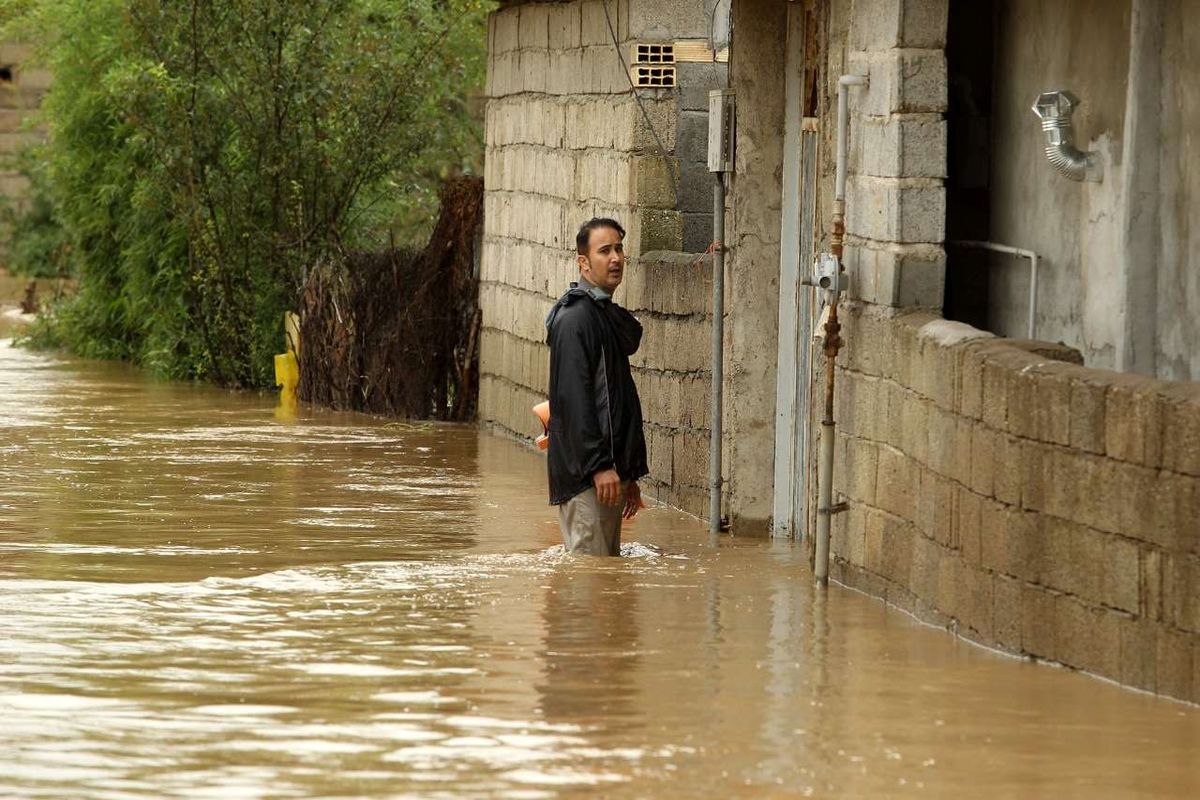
<point>652,77</point>
<point>652,65</point>
<point>653,53</point>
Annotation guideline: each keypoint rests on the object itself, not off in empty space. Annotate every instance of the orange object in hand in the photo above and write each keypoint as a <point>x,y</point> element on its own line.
<point>542,410</point>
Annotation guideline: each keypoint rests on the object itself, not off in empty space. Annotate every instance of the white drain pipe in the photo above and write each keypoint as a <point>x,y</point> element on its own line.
<point>1033,272</point>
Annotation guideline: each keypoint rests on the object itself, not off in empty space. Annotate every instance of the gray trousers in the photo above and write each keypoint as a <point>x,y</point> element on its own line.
<point>589,527</point>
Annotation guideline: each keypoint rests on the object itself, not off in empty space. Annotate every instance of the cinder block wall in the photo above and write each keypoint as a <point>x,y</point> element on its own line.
<point>1031,504</point>
<point>566,141</point>
<point>895,197</point>
<point>993,486</point>
<point>21,91</point>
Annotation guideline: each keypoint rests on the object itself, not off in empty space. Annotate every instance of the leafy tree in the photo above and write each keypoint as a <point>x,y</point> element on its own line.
<point>37,245</point>
<point>204,155</point>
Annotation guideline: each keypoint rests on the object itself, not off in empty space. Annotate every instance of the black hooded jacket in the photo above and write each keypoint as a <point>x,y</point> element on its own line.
<point>595,413</point>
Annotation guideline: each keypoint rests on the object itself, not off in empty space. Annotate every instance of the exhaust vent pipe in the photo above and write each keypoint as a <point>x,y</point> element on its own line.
<point>1054,109</point>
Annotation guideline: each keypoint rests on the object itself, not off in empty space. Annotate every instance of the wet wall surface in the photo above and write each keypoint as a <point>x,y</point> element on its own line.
<point>202,596</point>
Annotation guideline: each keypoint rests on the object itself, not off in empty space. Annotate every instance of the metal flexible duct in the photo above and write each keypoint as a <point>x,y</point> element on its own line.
<point>1054,109</point>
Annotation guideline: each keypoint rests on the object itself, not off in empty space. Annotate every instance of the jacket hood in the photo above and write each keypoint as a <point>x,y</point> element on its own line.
<point>570,296</point>
<point>623,324</point>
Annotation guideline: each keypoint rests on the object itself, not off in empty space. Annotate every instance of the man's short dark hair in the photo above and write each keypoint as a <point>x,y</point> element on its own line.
<point>585,232</point>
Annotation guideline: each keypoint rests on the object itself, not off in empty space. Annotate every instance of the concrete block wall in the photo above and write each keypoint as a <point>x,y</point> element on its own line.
<point>994,486</point>
<point>21,95</point>
<point>671,293</point>
<point>1029,503</point>
<point>566,141</point>
<point>695,181</point>
<point>895,197</point>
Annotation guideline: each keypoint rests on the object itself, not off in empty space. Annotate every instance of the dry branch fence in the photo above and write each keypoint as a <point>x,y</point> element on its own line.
<point>397,332</point>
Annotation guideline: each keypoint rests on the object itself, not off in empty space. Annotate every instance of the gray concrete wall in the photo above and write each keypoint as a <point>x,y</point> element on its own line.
<point>757,58</point>
<point>695,181</point>
<point>1044,45</point>
<point>1119,277</point>
<point>1177,339</point>
<point>681,19</point>
<point>895,193</point>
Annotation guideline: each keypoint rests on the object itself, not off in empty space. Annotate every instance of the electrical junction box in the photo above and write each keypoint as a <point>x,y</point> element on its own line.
<point>721,121</point>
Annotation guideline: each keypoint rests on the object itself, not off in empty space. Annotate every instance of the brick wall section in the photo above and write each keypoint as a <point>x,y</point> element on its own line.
<point>695,181</point>
<point>671,293</point>
<point>895,197</point>
<point>20,98</point>
<point>1031,504</point>
<point>566,141</point>
<point>1027,502</point>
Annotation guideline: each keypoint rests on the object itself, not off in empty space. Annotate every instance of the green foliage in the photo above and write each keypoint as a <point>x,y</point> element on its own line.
<point>37,244</point>
<point>205,154</point>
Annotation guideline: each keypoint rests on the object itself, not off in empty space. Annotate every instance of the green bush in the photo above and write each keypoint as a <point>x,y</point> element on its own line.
<point>37,243</point>
<point>204,154</point>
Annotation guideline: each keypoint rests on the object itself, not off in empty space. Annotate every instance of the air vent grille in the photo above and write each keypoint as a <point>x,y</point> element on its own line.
<point>647,76</point>
<point>654,53</point>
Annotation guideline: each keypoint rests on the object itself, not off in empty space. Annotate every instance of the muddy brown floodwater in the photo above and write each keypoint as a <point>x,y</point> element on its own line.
<point>202,598</point>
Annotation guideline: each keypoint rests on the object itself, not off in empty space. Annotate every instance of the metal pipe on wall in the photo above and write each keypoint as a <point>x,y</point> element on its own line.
<point>721,123</point>
<point>843,125</point>
<point>1033,273</point>
<point>718,339</point>
<point>1054,109</point>
<point>833,342</point>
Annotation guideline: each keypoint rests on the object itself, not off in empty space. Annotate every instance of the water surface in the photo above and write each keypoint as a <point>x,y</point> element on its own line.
<point>202,596</point>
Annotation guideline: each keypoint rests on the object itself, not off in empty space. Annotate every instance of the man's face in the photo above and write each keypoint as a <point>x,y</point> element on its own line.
<point>604,264</point>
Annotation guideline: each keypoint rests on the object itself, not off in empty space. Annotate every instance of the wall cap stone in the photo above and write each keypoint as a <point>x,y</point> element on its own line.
<point>674,258</point>
<point>949,333</point>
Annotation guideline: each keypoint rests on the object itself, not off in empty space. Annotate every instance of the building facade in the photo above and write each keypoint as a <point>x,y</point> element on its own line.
<point>1037,494</point>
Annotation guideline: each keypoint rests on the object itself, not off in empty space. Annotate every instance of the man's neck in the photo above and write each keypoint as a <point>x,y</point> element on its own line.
<point>592,289</point>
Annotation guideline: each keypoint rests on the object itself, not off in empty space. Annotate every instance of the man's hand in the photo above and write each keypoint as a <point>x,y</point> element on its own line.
<point>633,501</point>
<point>608,487</point>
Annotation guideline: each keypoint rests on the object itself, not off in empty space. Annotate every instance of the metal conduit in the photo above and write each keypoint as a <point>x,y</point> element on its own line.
<point>1054,109</point>
<point>1033,273</point>
<point>833,342</point>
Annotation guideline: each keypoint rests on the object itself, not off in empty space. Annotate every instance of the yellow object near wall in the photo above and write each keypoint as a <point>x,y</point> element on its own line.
<point>287,374</point>
<point>287,367</point>
<point>291,331</point>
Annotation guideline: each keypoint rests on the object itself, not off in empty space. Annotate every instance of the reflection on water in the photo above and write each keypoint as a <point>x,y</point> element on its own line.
<point>590,649</point>
<point>200,597</point>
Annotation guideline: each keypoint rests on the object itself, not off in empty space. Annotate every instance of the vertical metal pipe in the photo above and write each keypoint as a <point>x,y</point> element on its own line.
<point>1033,283</point>
<point>718,353</point>
<point>824,501</point>
<point>833,341</point>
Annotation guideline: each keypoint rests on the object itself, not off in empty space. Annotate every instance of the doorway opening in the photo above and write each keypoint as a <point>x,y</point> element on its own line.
<point>970,59</point>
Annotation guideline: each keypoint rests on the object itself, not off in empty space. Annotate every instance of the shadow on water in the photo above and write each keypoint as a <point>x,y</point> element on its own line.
<point>201,599</point>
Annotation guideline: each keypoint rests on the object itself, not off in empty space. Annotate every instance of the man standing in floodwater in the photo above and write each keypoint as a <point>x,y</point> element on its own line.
<point>597,449</point>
